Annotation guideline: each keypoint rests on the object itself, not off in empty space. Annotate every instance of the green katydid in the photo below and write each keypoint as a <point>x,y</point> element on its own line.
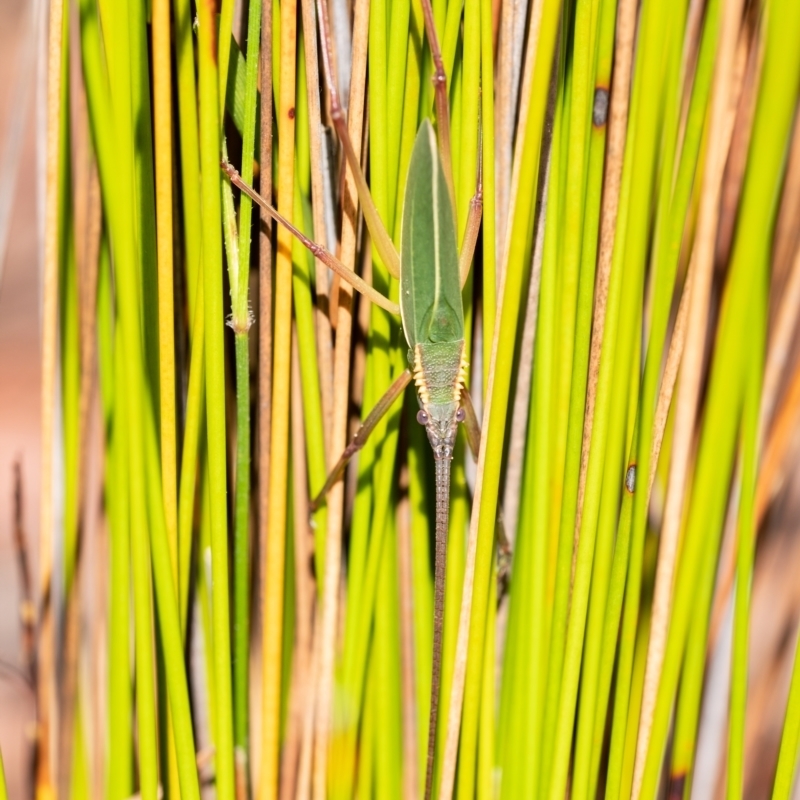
<point>432,273</point>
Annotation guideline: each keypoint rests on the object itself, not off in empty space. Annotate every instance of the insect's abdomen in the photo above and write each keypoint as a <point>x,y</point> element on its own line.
<point>439,371</point>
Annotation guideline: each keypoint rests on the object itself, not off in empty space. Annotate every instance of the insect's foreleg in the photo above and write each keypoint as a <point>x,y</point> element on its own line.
<point>373,418</point>
<point>473,222</point>
<point>325,256</point>
<point>377,230</point>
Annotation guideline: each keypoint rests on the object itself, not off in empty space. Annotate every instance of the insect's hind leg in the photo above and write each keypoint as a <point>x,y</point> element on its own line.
<point>373,418</point>
<point>325,256</point>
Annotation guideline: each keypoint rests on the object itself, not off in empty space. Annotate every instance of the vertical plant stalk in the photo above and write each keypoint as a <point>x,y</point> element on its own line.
<point>746,538</point>
<point>281,392</point>
<point>629,547</point>
<point>45,688</point>
<point>215,395</point>
<point>733,180</point>
<point>575,281</point>
<point>192,241</point>
<point>516,259</point>
<point>240,322</point>
<point>241,559</point>
<point>162,125</point>
<point>510,37</point>
<point>192,433</point>
<point>341,371</point>
<point>88,221</point>
<point>302,691</point>
<point>327,647</point>
<point>264,414</point>
<point>162,130</point>
<point>612,181</point>
<point>700,278</point>
<point>519,416</point>
<point>774,446</point>
<point>486,144</point>
<point>73,213</point>
<point>89,278</point>
<point>405,580</point>
<point>787,237</point>
<point>190,158</point>
<point>699,552</point>
<point>134,399</point>
<point>322,306</point>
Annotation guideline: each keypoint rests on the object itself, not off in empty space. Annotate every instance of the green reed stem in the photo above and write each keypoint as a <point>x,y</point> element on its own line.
<point>215,394</point>
<point>585,748</point>
<point>133,396</point>
<point>489,272</point>
<point>162,99</point>
<point>376,467</point>
<point>630,545</point>
<point>241,322</point>
<point>119,771</point>
<point>516,275</point>
<point>189,149</point>
<point>303,278</point>
<point>746,544</point>
<point>273,637</point>
<point>526,674</point>
<point>169,625</point>
<point>576,282</point>
<point>780,77</point>
<point>192,441</point>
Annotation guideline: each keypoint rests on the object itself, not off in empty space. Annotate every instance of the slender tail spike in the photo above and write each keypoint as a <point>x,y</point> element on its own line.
<point>440,561</point>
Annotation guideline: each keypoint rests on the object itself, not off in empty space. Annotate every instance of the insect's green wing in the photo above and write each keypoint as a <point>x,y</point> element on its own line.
<point>430,301</point>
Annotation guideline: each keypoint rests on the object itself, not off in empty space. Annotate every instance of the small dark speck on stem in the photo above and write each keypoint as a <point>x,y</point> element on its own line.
<point>600,107</point>
<point>630,478</point>
<point>677,782</point>
<point>291,113</point>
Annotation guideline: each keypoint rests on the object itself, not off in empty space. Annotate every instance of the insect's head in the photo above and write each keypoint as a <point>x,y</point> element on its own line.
<point>441,424</point>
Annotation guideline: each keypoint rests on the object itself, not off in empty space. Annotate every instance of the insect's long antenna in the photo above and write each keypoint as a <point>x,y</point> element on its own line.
<point>317,250</point>
<point>439,80</point>
<point>380,236</point>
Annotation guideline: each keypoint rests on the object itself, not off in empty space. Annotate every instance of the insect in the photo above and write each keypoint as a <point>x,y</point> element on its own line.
<point>432,272</point>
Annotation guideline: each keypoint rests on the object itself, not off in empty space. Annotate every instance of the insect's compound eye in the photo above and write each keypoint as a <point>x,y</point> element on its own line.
<point>461,415</point>
<point>422,417</point>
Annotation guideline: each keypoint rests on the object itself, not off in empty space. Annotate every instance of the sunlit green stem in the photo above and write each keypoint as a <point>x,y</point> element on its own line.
<point>746,538</point>
<point>215,395</point>
<point>241,542</point>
